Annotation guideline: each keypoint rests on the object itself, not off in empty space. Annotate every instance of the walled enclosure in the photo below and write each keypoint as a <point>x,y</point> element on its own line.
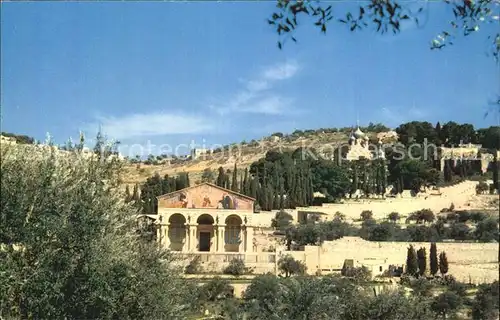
<point>474,262</point>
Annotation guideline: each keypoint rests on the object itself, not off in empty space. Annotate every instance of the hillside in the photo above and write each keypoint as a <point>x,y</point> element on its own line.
<point>243,154</point>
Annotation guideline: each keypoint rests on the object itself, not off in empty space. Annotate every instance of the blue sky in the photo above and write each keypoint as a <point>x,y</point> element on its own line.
<point>211,72</point>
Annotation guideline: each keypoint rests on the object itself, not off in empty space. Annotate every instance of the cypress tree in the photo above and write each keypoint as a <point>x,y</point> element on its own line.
<point>234,182</point>
<point>135,194</point>
<point>282,193</point>
<point>276,199</point>
<point>254,185</point>
<point>165,185</point>
<point>246,183</point>
<point>270,197</point>
<point>443,263</point>
<point>187,183</point>
<point>173,184</point>
<point>422,261</point>
<point>310,196</point>
<point>220,177</point>
<point>262,196</point>
<point>411,261</point>
<point>241,185</point>
<point>227,181</point>
<point>128,196</point>
<point>433,259</point>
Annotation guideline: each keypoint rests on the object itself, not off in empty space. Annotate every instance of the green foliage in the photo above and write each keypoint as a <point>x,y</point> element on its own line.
<point>316,233</point>
<point>460,231</point>
<point>216,289</point>
<point>413,174</point>
<point>194,266</point>
<point>422,261</point>
<point>156,186</point>
<point>386,16</point>
<point>394,216</point>
<point>237,267</point>
<point>443,263</point>
<point>424,215</point>
<point>326,298</point>
<point>282,220</point>
<point>411,261</point>
<point>486,302</point>
<point>446,303</point>
<point>79,255</point>
<point>289,266</point>
<point>433,259</point>
<point>487,230</point>
<point>283,180</point>
<point>366,215</point>
<point>207,175</point>
<point>234,181</point>
<point>397,306</point>
<point>329,178</point>
<point>421,287</point>
<point>357,273</point>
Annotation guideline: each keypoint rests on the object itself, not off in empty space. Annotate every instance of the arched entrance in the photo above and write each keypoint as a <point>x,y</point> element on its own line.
<point>177,231</point>
<point>233,236</point>
<point>205,232</point>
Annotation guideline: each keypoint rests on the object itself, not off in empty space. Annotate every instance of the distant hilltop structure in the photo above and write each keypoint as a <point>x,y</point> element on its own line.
<point>197,152</point>
<point>359,147</point>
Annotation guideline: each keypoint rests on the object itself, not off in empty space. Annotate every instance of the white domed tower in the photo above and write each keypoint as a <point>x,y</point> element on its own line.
<point>358,142</point>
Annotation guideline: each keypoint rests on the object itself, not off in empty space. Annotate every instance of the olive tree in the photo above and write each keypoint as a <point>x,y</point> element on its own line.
<point>68,242</point>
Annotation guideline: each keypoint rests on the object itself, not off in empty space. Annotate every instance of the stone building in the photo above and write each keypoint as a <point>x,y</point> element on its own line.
<point>196,153</point>
<point>205,218</point>
<point>359,147</point>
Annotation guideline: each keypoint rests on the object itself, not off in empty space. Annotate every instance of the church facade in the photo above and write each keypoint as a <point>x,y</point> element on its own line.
<point>359,147</point>
<point>205,218</point>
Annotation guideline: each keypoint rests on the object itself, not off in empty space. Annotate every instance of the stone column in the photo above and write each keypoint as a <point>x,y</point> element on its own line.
<point>193,229</point>
<point>165,228</point>
<point>243,240</point>
<point>220,237</point>
<point>159,235</point>
<point>249,239</point>
<point>185,245</point>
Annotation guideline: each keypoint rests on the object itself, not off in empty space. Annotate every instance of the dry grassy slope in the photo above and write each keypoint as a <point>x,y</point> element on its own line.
<point>139,173</point>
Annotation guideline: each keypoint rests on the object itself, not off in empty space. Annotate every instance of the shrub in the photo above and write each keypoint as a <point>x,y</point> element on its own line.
<point>194,266</point>
<point>236,267</point>
<point>487,230</point>
<point>216,289</point>
<point>482,187</point>
<point>446,303</point>
<point>452,217</point>
<point>459,231</point>
<point>289,266</point>
<point>366,215</point>
<point>459,288</point>
<point>421,287</point>
<point>478,216</point>
<point>394,216</point>
<point>485,304</point>
<point>357,273</point>
<point>464,216</point>
<point>282,220</point>
<point>424,215</point>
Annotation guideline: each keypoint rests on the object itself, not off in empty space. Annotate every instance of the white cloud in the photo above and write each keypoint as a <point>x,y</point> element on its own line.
<point>151,124</point>
<point>256,97</point>
<point>281,71</point>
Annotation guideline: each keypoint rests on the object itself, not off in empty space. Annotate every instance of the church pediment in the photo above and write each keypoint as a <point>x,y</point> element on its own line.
<point>205,196</point>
